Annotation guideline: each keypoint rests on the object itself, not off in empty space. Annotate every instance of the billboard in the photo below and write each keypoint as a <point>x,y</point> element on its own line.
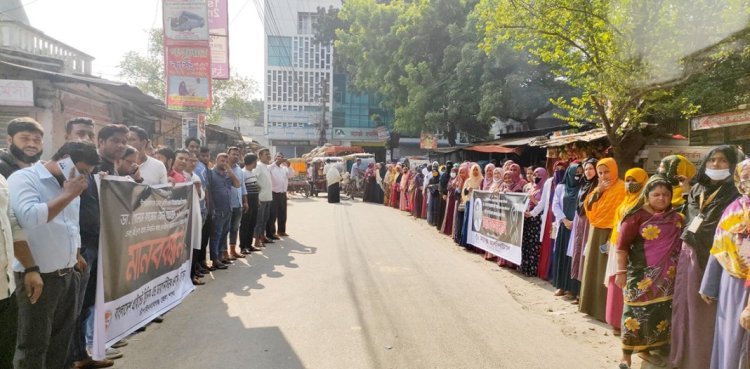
<point>188,70</point>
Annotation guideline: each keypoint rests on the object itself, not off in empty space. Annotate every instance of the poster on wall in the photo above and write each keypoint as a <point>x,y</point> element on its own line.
<point>188,71</point>
<point>496,223</point>
<point>185,20</point>
<point>428,141</point>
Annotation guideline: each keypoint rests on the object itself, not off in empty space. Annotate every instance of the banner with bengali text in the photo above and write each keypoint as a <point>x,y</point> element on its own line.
<point>218,29</point>
<point>144,256</point>
<point>496,223</point>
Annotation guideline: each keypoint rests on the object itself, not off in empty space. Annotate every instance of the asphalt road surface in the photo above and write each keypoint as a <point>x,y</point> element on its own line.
<point>360,285</point>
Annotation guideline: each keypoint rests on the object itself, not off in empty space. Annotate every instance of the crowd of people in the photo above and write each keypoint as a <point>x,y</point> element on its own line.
<point>49,219</point>
<point>662,259</point>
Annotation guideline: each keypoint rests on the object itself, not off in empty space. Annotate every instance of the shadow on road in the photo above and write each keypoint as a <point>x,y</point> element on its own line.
<point>278,254</point>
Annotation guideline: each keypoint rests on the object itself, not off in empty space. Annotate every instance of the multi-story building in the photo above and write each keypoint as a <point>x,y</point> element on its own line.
<point>301,91</point>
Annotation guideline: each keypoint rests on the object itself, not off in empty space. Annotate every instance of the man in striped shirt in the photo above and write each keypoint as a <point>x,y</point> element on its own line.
<point>249,219</point>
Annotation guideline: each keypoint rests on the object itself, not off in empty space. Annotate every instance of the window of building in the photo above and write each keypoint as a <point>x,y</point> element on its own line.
<point>279,51</point>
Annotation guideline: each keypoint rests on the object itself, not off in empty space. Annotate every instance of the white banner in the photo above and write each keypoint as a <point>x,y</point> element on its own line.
<point>496,223</point>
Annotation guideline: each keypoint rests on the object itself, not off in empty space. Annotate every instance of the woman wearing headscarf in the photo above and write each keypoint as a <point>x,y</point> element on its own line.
<point>600,207</point>
<point>404,187</point>
<point>635,179</point>
<point>474,182</point>
<point>531,227</point>
<point>648,246</point>
<point>489,171</point>
<point>678,171</point>
<point>543,209</point>
<point>497,180</point>
<point>451,202</point>
<point>692,319</point>
<point>417,194</point>
<point>517,179</point>
<point>565,214</point>
<point>726,277</point>
<point>396,191</point>
<point>433,195</point>
<point>581,225</point>
<point>458,214</point>
<point>333,183</point>
<point>371,184</point>
<point>387,184</point>
<point>379,190</point>
<point>443,182</point>
<point>529,177</point>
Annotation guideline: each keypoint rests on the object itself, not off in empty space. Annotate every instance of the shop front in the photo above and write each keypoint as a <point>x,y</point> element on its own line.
<point>731,127</point>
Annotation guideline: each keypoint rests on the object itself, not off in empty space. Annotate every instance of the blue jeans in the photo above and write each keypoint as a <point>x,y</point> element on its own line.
<point>235,225</point>
<point>222,220</point>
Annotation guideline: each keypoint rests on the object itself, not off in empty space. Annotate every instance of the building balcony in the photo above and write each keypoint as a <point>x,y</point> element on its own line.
<point>17,36</point>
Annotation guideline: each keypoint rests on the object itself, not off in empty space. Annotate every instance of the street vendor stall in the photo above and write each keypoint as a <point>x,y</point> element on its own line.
<point>298,183</point>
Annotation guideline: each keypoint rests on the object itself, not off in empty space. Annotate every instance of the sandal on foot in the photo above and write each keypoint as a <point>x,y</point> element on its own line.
<point>623,366</point>
<point>652,359</point>
<point>559,293</point>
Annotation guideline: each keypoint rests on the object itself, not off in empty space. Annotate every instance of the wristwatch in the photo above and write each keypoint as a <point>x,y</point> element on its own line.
<point>34,268</point>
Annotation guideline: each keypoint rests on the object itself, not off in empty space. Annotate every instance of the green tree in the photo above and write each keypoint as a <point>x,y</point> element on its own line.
<point>621,55</point>
<point>229,97</point>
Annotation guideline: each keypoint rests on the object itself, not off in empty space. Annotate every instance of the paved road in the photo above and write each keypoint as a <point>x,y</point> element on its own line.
<point>363,286</point>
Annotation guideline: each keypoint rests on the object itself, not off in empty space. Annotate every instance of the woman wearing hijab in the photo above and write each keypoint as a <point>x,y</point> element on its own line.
<point>531,227</point>
<point>474,182</point>
<point>489,171</point>
<point>600,207</point>
<point>635,179</point>
<point>417,194</point>
<point>387,184</point>
<point>581,225</point>
<point>517,179</point>
<point>648,246</point>
<point>443,182</point>
<point>433,195</point>
<point>396,191</point>
<point>565,214</point>
<point>543,210</point>
<point>458,217</point>
<point>371,184</point>
<point>404,187</point>
<point>692,319</point>
<point>726,278</point>
<point>678,171</point>
<point>451,203</point>
<point>333,183</point>
<point>379,190</point>
<point>497,180</point>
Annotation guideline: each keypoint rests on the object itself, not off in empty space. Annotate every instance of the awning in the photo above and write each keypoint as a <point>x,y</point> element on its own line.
<point>588,136</point>
<point>495,149</point>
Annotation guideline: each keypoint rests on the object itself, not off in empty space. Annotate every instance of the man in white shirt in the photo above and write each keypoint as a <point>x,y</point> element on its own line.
<point>152,171</point>
<point>280,174</point>
<point>265,196</point>
<point>8,305</point>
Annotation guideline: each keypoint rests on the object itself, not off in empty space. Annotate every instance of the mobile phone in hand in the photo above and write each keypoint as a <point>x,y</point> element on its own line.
<point>65,166</point>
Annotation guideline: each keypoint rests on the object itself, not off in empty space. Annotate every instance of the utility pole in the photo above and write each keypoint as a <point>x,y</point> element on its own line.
<point>323,124</point>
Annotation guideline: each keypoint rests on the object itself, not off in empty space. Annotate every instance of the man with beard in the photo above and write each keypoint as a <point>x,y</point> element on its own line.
<point>24,143</point>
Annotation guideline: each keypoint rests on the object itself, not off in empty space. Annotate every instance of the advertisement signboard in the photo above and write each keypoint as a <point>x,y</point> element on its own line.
<point>188,70</point>
<point>185,20</point>
<point>218,29</point>
<point>15,92</point>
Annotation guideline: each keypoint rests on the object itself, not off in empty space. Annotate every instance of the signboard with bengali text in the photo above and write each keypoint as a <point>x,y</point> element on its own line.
<point>15,92</point>
<point>188,70</point>
<point>185,20</point>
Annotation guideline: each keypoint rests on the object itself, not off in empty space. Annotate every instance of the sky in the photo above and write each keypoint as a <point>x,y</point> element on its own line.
<point>107,29</point>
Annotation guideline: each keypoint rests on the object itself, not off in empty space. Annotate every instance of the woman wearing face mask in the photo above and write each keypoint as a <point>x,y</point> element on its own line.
<point>416,191</point>
<point>581,225</point>
<point>443,182</point>
<point>451,202</point>
<point>433,195</point>
<point>474,182</point>
<point>678,171</point>
<point>543,209</point>
<point>396,186</point>
<point>725,282</point>
<point>635,179</point>
<point>600,206</point>
<point>647,250</point>
<point>565,213</point>
<point>692,318</point>
<point>497,180</point>
<point>531,227</point>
